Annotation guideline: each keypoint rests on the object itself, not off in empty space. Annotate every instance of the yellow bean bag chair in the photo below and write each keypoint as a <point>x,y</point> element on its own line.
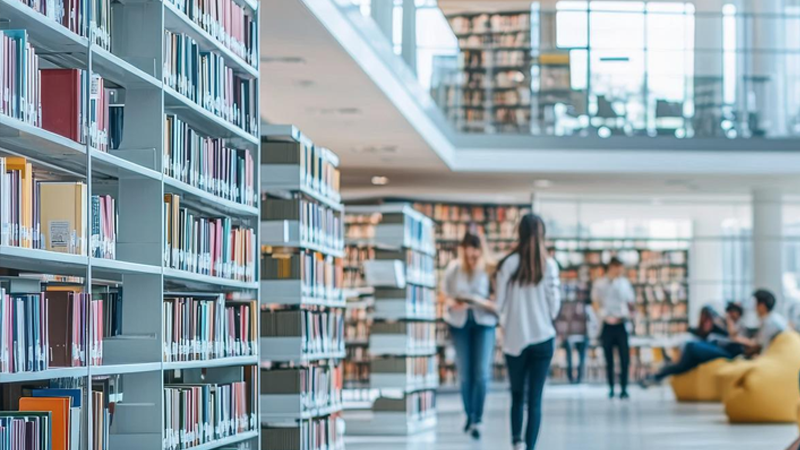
<point>764,390</point>
<point>700,384</point>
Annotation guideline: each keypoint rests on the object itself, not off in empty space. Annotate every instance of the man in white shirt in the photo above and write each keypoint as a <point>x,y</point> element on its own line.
<point>613,298</point>
<point>772,324</point>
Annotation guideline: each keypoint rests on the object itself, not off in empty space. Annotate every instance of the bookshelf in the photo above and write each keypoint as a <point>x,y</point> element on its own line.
<point>302,302</point>
<point>128,210</point>
<point>391,250</point>
<point>493,91</point>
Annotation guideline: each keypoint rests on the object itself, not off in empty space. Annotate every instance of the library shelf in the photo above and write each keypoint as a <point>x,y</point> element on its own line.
<point>230,440</point>
<point>115,69</point>
<point>107,268</point>
<point>216,362</point>
<point>301,301</point>
<point>368,423</point>
<point>42,261</point>
<point>41,145</point>
<point>307,414</point>
<point>203,119</point>
<point>300,358</point>
<point>49,374</point>
<point>114,166</point>
<point>177,21</point>
<point>208,202</point>
<point>314,194</point>
<point>303,245</point>
<point>50,35</point>
<point>206,282</point>
<point>122,369</point>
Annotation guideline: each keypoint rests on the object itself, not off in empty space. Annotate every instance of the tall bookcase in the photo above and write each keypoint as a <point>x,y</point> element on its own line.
<point>302,318</point>
<point>398,253</point>
<point>129,397</point>
<point>493,93</point>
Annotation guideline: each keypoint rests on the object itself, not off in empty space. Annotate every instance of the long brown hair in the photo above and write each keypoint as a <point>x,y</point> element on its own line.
<point>470,240</point>
<point>532,251</point>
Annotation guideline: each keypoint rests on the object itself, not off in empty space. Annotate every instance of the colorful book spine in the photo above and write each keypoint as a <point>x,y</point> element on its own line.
<point>20,79</point>
<point>24,335</point>
<point>208,164</point>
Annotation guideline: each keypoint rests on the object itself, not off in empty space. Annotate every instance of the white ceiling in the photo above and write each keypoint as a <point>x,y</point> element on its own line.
<point>310,80</point>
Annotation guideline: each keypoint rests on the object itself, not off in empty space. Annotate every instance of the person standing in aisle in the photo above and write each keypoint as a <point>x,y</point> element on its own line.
<point>528,299</point>
<point>472,319</point>
<point>613,298</point>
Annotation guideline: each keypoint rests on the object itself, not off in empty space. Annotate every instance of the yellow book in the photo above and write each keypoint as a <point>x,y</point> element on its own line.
<point>26,221</point>
<point>63,216</point>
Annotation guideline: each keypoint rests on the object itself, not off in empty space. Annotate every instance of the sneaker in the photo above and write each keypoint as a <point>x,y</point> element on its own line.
<point>475,432</point>
<point>467,426</point>
<point>611,394</point>
<point>624,395</point>
<point>520,446</point>
<point>649,381</point>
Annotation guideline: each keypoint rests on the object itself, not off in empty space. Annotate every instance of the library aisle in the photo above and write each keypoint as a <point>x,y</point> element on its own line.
<point>581,417</point>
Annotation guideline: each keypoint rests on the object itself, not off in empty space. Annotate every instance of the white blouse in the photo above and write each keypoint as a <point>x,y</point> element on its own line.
<point>458,283</point>
<point>527,312</point>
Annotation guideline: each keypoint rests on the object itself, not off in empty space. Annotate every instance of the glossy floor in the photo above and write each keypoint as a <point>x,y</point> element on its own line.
<point>582,418</point>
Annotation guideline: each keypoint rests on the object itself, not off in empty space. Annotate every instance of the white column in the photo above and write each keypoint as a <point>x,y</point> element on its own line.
<point>767,83</point>
<point>410,34</point>
<point>705,266</point>
<point>382,12</point>
<point>708,68</point>
<point>767,240</point>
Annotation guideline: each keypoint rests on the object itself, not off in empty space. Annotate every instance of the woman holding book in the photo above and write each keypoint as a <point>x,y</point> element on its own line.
<point>528,300</point>
<point>472,319</point>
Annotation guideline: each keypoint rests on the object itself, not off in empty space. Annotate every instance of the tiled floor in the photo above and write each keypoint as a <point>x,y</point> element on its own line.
<point>583,418</point>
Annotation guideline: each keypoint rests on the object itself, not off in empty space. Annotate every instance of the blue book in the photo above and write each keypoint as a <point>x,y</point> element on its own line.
<point>75,394</point>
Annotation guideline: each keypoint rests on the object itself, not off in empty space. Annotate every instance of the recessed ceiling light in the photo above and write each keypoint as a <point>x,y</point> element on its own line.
<point>283,59</point>
<point>380,181</point>
<point>542,184</point>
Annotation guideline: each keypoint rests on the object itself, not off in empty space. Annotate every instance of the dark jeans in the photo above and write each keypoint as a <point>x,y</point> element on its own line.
<point>694,354</point>
<point>616,337</point>
<point>528,371</point>
<point>474,345</point>
<point>574,344</point>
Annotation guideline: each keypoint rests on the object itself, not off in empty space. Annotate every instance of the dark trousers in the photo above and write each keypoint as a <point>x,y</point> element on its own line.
<point>616,337</point>
<point>528,371</point>
<point>474,345</point>
<point>571,345</point>
<point>694,354</point>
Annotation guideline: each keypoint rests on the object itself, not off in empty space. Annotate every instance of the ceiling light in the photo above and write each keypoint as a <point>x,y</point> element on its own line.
<point>380,181</point>
<point>542,184</point>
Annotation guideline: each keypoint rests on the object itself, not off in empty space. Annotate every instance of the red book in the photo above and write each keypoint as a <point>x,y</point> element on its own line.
<point>61,101</point>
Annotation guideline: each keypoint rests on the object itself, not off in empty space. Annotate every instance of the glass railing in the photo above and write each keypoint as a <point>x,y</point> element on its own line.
<point>607,68</point>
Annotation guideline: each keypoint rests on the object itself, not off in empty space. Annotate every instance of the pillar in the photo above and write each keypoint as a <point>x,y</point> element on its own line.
<point>767,74</point>
<point>767,240</point>
<point>705,267</point>
<point>409,50</point>
<point>708,68</point>
<point>382,13</point>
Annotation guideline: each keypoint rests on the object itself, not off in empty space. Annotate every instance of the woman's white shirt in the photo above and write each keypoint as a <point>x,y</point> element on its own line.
<point>527,312</point>
<point>458,283</point>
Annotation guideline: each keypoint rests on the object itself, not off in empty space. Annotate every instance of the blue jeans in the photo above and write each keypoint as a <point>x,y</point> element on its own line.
<point>694,354</point>
<point>528,371</point>
<point>474,345</point>
<point>580,347</point>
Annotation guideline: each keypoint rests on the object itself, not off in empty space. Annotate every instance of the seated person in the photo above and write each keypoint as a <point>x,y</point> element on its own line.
<point>772,324</point>
<point>718,343</point>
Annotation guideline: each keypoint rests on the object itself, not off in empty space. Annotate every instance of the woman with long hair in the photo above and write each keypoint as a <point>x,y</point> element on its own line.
<point>472,319</point>
<point>528,300</point>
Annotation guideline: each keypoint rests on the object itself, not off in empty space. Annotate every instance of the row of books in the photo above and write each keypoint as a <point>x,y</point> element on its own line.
<point>318,166</point>
<point>444,212</point>
<point>487,59</point>
<point>419,368</point>
<point>419,234</point>
<point>416,405</point>
<point>44,330</point>
<point>418,334</point>
<point>420,268</point>
<point>203,78</point>
<point>208,246</point>
<point>321,331</point>
<point>314,434</point>
<point>500,78</point>
<point>27,203</point>
<point>419,299</point>
<point>197,414</point>
<point>321,276</point>
<point>354,261</point>
<point>317,386</point>
<point>207,163</point>
<point>520,39</point>
<point>197,329</point>
<point>227,22</point>
<point>52,98</point>
<point>319,224</point>
<point>485,23</point>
